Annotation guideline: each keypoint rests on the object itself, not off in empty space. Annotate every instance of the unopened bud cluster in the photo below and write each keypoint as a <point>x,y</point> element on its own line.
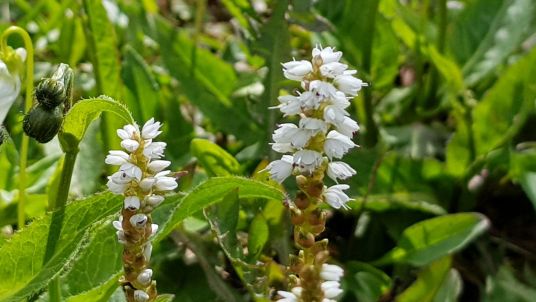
<point>143,181</point>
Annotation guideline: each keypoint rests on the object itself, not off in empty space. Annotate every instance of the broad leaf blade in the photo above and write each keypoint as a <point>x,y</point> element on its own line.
<point>433,238</point>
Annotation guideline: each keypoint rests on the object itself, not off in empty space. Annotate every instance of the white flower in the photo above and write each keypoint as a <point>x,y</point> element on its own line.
<point>131,170</point>
<point>147,184</point>
<point>130,145</point>
<point>331,289</point>
<point>307,160</point>
<point>331,272</point>
<point>282,147</point>
<point>327,54</point>
<point>128,132</point>
<point>138,220</point>
<point>333,69</point>
<point>151,129</point>
<point>164,182</point>
<point>285,133</point>
<point>154,229</point>
<point>140,296</point>
<point>132,203</point>
<point>292,296</point>
<point>334,114</point>
<point>290,105</point>
<point>282,168</point>
<point>147,251</point>
<point>154,200</point>
<point>117,158</point>
<point>145,276</point>
<point>339,170</point>
<point>154,150</point>
<point>335,196</point>
<point>349,84</point>
<point>347,127</point>
<point>337,144</point>
<point>117,188</point>
<point>158,165</point>
<point>322,90</point>
<point>10,84</point>
<point>296,70</point>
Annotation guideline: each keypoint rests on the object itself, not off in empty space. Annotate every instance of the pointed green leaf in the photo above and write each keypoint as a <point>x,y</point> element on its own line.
<point>433,238</point>
<point>428,283</point>
<point>83,113</point>
<point>213,191</point>
<point>215,160</point>
<point>22,268</point>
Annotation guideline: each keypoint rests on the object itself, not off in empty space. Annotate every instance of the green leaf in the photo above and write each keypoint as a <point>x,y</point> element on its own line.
<point>528,183</point>
<point>258,236</point>
<point>22,266</point>
<point>164,298</point>
<point>451,288</point>
<point>448,69</point>
<point>392,202</point>
<point>142,96</point>
<point>213,191</point>
<point>83,113</point>
<point>93,272</point>
<point>505,34</point>
<point>215,160</point>
<point>223,219</point>
<point>505,287</point>
<point>366,282</point>
<point>208,85</point>
<point>428,283</point>
<point>433,238</point>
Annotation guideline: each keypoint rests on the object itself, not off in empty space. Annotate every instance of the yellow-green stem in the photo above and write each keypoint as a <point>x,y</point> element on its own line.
<point>23,161</point>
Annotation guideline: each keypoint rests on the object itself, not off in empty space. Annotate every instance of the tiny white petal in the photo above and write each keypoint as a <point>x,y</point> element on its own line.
<point>349,84</point>
<point>307,160</point>
<point>151,129</point>
<point>166,183</point>
<point>145,276</point>
<point>140,296</point>
<point>333,69</point>
<point>130,145</point>
<point>138,220</point>
<point>117,158</point>
<point>337,144</point>
<point>158,165</point>
<point>331,272</point>
<point>132,203</point>
<point>154,228</point>
<point>147,250</point>
<point>296,70</point>
<point>347,127</point>
<point>154,150</point>
<point>335,196</point>
<point>147,183</point>
<point>155,200</point>
<point>339,170</point>
<point>327,54</point>
<point>281,169</point>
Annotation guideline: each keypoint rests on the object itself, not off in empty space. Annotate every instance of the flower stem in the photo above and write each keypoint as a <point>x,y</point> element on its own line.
<point>65,182</point>
<point>23,161</point>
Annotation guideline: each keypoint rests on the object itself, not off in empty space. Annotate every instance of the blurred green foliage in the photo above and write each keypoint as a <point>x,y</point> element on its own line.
<point>445,194</point>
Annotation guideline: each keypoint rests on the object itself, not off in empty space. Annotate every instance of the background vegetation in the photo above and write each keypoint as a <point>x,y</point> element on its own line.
<point>448,126</point>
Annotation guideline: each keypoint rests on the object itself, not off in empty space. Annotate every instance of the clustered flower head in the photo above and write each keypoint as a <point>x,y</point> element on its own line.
<point>331,287</point>
<point>11,62</point>
<point>325,129</point>
<point>142,180</point>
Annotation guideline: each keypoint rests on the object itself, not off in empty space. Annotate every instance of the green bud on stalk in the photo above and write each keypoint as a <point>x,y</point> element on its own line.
<point>43,124</point>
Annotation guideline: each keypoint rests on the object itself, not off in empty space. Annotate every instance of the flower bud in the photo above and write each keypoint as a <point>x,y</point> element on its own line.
<point>138,220</point>
<point>145,276</point>
<point>56,90</point>
<point>43,124</point>
<point>302,201</point>
<point>306,240</point>
<point>140,296</point>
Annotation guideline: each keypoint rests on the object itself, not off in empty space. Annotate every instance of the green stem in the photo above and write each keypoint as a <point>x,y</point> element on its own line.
<point>23,161</point>
<point>54,290</point>
<point>65,182</point>
<point>199,15</point>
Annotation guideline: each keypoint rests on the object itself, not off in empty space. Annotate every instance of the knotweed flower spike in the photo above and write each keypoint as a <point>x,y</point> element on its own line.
<point>143,181</point>
<point>11,66</point>
<point>312,149</point>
